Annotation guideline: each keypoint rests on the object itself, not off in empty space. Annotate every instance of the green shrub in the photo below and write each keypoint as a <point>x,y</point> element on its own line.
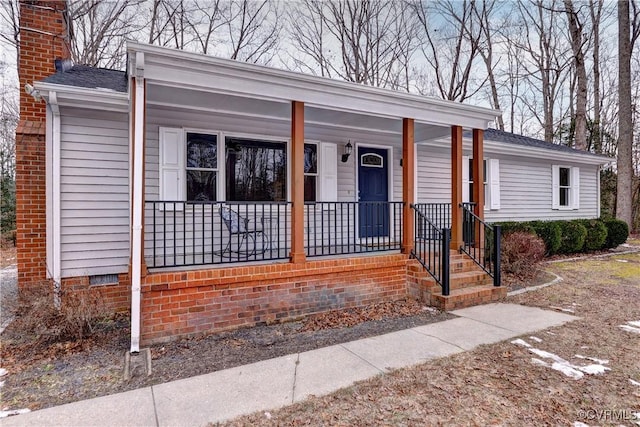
<point>551,233</point>
<point>520,253</point>
<point>596,234</point>
<point>513,226</point>
<point>617,233</point>
<point>573,236</point>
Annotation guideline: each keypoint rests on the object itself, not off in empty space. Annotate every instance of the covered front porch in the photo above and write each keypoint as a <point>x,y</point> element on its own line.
<point>235,164</point>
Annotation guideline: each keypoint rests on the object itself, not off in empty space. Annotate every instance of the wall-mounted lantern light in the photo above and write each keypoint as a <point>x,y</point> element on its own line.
<point>347,152</point>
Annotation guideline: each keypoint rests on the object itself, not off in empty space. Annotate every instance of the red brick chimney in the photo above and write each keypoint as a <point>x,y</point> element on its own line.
<point>44,37</point>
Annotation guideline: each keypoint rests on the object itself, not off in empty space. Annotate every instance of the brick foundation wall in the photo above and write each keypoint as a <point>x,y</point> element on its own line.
<point>185,303</point>
<point>114,297</point>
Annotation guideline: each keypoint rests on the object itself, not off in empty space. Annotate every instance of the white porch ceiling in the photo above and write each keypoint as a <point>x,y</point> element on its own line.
<point>198,100</point>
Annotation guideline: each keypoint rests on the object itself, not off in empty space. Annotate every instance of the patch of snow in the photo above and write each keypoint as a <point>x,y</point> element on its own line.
<point>536,339</point>
<point>630,329</point>
<point>634,382</point>
<point>3,372</point>
<point>5,414</point>
<point>521,342</point>
<point>567,370</point>
<point>622,260</point>
<point>594,369</point>
<point>562,365</point>
<point>579,424</point>
<point>430,309</point>
<point>593,359</point>
<point>267,415</point>
<point>550,333</point>
<point>635,323</point>
<point>539,362</point>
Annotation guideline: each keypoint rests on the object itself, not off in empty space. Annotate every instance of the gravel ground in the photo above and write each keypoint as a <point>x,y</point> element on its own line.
<point>8,294</point>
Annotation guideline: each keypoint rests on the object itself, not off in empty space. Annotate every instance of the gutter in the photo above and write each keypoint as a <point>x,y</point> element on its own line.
<point>55,178</point>
<point>136,206</point>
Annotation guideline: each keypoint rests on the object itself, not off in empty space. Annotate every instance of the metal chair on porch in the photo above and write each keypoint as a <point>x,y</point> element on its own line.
<point>246,234</point>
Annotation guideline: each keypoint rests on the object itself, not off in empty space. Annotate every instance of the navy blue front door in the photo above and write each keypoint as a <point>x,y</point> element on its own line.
<point>373,188</point>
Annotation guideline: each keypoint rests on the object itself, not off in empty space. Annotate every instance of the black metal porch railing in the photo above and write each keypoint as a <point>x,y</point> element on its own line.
<point>199,233</point>
<point>481,242</point>
<point>431,248</point>
<point>439,214</point>
<point>333,228</point>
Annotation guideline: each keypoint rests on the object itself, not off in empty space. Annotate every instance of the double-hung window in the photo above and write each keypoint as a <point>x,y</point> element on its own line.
<point>201,167</point>
<point>310,172</point>
<point>565,187</point>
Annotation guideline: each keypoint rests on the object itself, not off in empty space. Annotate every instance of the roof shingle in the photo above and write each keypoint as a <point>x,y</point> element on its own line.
<point>90,77</point>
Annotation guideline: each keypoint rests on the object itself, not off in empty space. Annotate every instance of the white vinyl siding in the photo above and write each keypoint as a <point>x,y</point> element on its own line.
<point>524,186</point>
<point>94,199</point>
<point>526,191</point>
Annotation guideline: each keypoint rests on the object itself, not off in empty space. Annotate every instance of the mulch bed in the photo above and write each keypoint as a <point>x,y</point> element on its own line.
<point>41,375</point>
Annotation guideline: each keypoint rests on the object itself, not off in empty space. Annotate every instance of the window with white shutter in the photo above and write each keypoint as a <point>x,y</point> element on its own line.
<point>565,187</point>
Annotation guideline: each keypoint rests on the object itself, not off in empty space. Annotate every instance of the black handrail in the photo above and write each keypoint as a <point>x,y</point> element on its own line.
<point>481,242</point>
<point>431,248</point>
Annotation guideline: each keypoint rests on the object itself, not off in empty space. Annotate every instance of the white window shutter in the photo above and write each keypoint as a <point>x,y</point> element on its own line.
<point>172,168</point>
<point>494,183</point>
<point>555,187</point>
<point>575,188</point>
<point>465,179</point>
<point>328,172</point>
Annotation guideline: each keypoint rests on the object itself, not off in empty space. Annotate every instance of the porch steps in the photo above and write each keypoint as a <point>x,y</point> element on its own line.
<point>469,285</point>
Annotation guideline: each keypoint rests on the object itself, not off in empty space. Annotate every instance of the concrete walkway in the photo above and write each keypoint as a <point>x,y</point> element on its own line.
<point>278,382</point>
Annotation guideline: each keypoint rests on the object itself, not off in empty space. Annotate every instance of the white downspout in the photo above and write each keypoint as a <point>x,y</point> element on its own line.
<point>55,199</point>
<point>137,208</point>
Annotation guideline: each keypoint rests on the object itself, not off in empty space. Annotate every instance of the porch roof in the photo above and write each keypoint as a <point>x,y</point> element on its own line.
<point>194,80</point>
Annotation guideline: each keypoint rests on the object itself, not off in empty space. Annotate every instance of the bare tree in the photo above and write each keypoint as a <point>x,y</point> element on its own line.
<point>369,42</point>
<point>578,46</point>
<point>625,121</point>
<point>451,47</point>
<point>205,21</point>
<point>545,62</point>
<point>595,12</point>
<point>100,29</point>
<point>483,13</point>
<point>10,24</point>
<point>253,29</point>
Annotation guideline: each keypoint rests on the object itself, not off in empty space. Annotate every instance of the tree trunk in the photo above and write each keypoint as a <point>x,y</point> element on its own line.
<point>625,123</point>
<point>596,13</point>
<point>575,30</point>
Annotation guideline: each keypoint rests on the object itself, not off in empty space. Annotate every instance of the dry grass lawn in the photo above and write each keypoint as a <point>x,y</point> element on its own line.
<point>501,384</point>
